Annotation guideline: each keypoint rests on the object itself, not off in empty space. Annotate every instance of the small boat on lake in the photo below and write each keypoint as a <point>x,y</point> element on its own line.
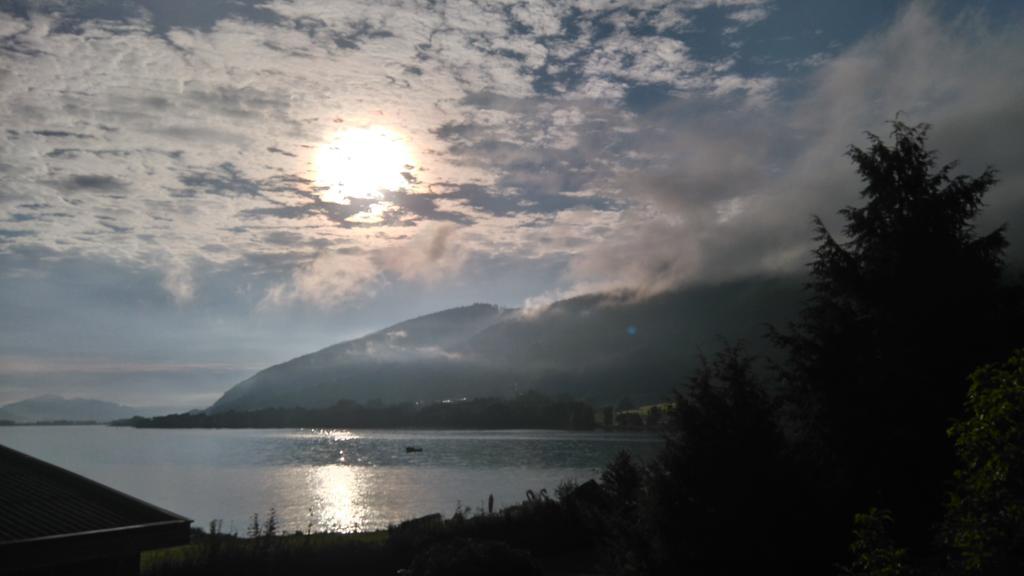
<point>413,449</point>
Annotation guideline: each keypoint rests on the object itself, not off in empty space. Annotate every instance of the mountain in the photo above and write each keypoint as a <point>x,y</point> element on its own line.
<point>52,408</point>
<point>600,347</point>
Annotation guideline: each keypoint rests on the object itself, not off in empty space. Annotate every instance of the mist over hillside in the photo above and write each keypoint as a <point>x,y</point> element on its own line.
<point>599,348</point>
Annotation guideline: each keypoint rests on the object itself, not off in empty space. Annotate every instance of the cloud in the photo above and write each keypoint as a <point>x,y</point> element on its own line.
<point>59,134</point>
<point>223,180</point>
<point>332,279</point>
<point>731,194</point>
<point>392,350</point>
<point>17,366</point>
<point>91,182</point>
<point>749,15</point>
<point>9,234</point>
<point>635,145</point>
<point>178,282</point>
<point>432,254</point>
<point>329,280</point>
<point>203,121</point>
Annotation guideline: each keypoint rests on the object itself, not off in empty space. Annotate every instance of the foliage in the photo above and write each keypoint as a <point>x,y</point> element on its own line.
<point>899,313</point>
<point>510,541</point>
<point>722,482</point>
<point>539,525</point>
<point>218,554</point>
<point>985,513</point>
<point>873,550</point>
<point>565,489</point>
<point>622,478</point>
<point>614,514</point>
<point>467,557</point>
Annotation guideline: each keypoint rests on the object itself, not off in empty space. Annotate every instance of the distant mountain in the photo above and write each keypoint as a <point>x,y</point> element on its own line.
<point>598,347</point>
<point>52,408</point>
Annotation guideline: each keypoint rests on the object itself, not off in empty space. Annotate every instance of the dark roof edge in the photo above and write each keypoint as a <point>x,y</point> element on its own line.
<point>93,485</point>
<point>65,549</point>
<point>57,538</point>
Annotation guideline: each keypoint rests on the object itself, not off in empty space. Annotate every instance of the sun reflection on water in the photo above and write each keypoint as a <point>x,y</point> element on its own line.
<point>338,492</point>
<point>339,489</point>
<point>336,435</point>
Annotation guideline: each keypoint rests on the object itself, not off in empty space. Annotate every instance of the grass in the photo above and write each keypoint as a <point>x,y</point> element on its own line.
<point>540,535</point>
<point>320,553</point>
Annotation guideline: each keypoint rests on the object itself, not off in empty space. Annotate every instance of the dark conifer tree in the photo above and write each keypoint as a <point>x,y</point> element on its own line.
<point>720,491</point>
<point>900,311</point>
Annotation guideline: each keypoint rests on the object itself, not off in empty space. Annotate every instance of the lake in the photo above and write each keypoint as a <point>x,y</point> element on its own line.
<point>324,480</point>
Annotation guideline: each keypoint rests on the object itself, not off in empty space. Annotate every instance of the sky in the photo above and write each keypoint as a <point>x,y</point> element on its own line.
<point>192,190</point>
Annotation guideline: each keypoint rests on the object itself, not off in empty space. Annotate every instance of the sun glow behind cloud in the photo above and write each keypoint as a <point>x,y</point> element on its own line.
<point>363,163</point>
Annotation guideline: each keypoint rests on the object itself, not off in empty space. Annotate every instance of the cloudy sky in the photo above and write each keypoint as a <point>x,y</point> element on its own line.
<point>191,190</point>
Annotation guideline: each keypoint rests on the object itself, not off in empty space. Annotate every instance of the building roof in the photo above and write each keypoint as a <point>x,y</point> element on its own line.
<point>48,512</point>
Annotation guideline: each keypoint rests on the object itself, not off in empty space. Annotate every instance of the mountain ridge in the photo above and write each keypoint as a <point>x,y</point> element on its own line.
<point>51,408</point>
<point>599,347</point>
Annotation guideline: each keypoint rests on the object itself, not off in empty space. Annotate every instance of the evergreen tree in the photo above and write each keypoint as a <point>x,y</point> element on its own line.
<point>720,491</point>
<point>900,310</point>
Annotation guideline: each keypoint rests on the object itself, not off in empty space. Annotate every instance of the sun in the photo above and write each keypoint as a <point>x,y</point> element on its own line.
<point>363,163</point>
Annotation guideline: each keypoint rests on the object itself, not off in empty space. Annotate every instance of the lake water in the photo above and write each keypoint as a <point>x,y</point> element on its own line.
<point>336,480</point>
